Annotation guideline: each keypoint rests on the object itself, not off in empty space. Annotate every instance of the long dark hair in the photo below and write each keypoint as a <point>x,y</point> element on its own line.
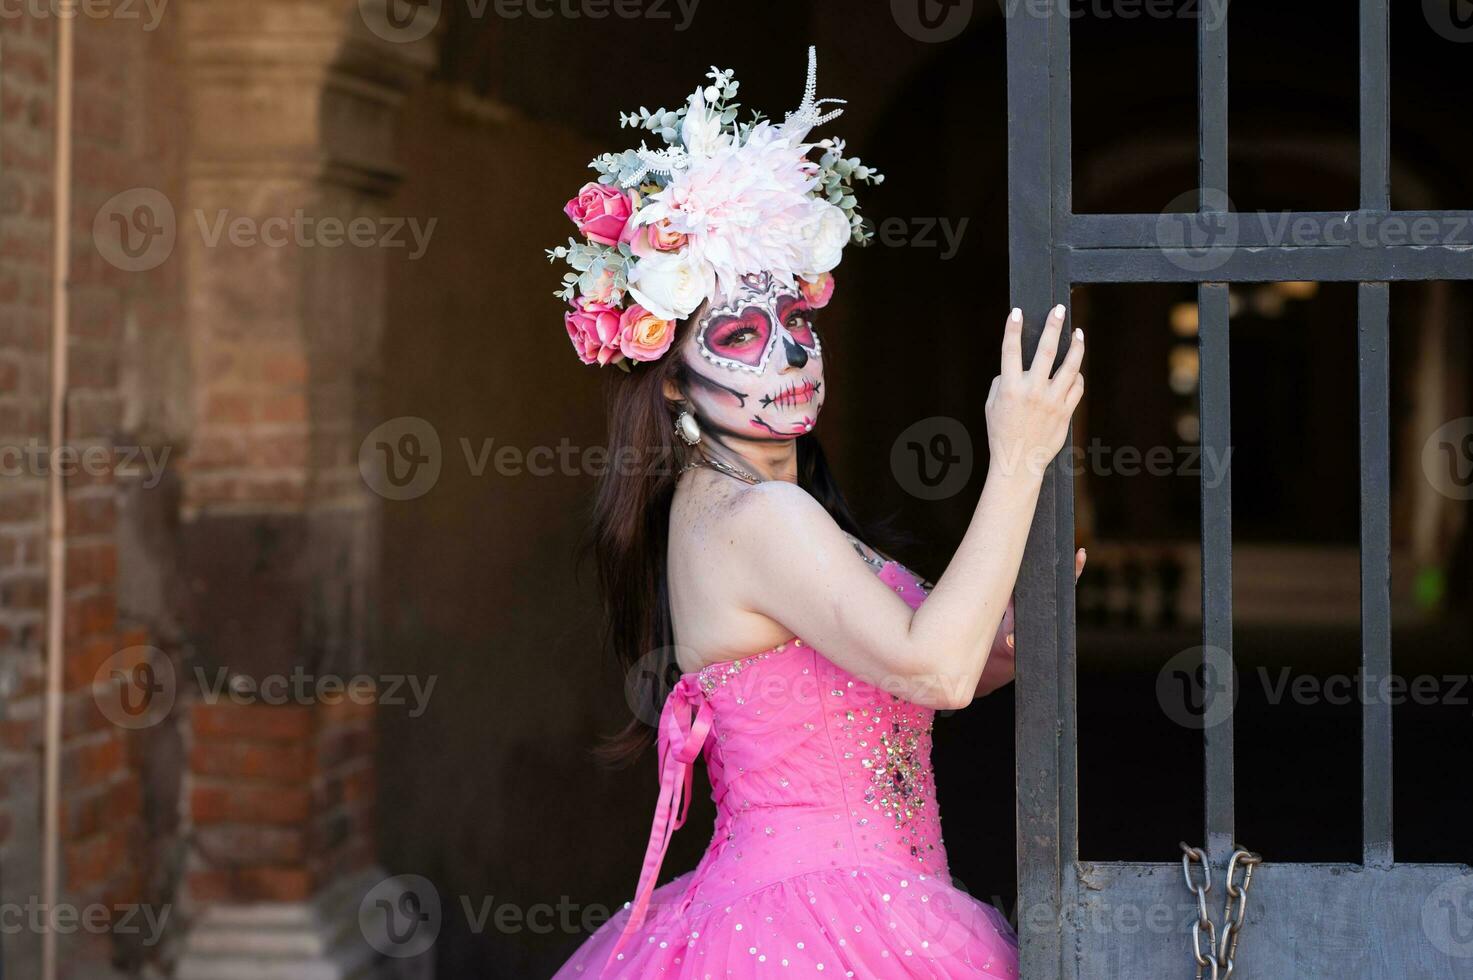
<point>631,532</point>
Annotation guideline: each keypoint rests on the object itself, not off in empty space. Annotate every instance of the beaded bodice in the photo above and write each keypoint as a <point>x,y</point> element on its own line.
<point>796,737</point>
<point>827,833</point>
<point>812,770</point>
<point>792,731</point>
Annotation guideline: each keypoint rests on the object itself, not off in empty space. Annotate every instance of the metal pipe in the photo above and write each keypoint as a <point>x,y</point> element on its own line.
<point>56,492</point>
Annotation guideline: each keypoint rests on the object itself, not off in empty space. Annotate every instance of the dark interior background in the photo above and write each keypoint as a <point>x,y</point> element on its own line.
<point>494,792</point>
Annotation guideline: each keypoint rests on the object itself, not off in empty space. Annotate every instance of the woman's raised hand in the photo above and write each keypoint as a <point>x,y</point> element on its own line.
<point>1028,411</point>
<point>786,558</point>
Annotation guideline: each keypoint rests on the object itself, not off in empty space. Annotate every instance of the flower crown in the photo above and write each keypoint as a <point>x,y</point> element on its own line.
<point>665,230</point>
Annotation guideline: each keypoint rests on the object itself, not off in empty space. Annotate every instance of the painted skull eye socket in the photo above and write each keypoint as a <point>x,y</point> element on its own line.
<point>797,320</point>
<point>741,338</point>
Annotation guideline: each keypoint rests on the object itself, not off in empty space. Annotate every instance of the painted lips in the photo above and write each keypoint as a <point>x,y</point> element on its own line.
<point>793,395</point>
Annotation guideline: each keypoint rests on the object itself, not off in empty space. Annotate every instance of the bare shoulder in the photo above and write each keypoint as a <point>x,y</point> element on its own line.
<point>779,523</point>
<point>776,506</point>
<point>751,526</point>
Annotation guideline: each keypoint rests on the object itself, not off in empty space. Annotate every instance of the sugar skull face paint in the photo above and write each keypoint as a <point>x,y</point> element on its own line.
<point>744,333</point>
<point>756,364</point>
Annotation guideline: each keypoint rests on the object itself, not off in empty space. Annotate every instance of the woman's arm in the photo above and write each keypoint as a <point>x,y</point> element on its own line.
<point>789,561</point>
<point>1001,664</point>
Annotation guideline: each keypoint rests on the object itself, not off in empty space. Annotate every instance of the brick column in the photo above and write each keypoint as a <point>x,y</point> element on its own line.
<point>292,105</point>
<point>283,338</point>
<point>280,800</point>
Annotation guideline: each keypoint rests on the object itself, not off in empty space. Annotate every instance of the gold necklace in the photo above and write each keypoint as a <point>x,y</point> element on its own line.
<point>721,467</point>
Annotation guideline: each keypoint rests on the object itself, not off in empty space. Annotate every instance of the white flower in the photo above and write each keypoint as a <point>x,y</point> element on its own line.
<point>702,132</point>
<point>671,285</point>
<point>745,209</point>
<point>824,236</point>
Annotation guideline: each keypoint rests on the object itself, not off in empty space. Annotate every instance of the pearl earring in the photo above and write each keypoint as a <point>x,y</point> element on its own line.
<point>687,429</point>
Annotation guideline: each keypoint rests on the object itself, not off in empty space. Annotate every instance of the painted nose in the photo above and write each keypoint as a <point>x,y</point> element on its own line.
<point>797,356</point>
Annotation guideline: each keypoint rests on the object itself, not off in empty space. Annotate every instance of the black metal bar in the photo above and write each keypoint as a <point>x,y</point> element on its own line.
<point>1061,128</point>
<point>1230,264</point>
<point>1372,229</point>
<point>1375,447</point>
<point>1063,204</point>
<point>1031,261</point>
<point>1215,414</point>
<point>1212,111</point>
<point>1375,104</point>
<point>1375,572</point>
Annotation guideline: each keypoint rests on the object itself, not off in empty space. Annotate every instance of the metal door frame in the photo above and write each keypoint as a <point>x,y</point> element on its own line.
<point>1051,250</point>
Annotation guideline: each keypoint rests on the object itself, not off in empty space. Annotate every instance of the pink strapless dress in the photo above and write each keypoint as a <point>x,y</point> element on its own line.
<point>827,857</point>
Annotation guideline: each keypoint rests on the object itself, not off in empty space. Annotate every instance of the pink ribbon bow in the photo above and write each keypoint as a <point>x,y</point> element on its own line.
<point>680,741</point>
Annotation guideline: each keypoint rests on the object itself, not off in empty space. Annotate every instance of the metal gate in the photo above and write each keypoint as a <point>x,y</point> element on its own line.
<point>1345,921</point>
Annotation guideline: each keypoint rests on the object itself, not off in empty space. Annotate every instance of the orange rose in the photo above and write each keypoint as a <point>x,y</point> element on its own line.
<point>644,336</point>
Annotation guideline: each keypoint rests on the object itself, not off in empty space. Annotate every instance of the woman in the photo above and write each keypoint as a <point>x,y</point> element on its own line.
<point>702,267</point>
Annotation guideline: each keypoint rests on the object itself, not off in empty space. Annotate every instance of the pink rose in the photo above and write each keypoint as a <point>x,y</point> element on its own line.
<point>659,237</point>
<point>594,330</point>
<point>601,212</point>
<point>818,292</point>
<point>644,336</point>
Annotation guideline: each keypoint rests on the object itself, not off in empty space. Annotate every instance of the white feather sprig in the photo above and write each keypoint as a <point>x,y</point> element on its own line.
<point>666,162</point>
<point>810,113</point>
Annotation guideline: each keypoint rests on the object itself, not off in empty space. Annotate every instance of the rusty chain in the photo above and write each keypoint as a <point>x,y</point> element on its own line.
<point>1218,958</point>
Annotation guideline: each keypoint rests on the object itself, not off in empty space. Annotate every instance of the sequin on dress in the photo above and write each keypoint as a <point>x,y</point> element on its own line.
<point>827,858</point>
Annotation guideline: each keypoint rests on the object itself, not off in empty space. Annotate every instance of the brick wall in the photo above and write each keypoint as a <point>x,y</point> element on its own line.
<point>280,798</point>
<point>126,133</point>
<point>25,207</point>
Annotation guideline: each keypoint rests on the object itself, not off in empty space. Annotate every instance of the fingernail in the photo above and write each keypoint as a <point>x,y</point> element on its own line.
<point>1016,315</point>
<point>1078,334</point>
<point>1059,310</point>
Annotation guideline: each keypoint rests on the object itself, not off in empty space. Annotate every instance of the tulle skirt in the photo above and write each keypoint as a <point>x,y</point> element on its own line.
<point>864,922</point>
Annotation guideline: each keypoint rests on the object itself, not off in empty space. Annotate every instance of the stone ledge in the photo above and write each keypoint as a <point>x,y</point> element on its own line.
<point>316,940</point>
